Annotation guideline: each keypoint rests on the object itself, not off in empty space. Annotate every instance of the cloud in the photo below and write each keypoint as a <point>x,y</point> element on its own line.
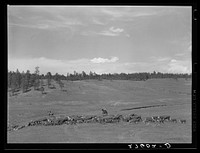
<point>98,22</point>
<point>107,33</point>
<point>159,59</point>
<point>93,33</point>
<point>162,59</point>
<point>170,65</point>
<point>117,30</point>
<point>110,32</point>
<point>64,66</point>
<point>40,26</point>
<point>178,66</point>
<point>42,18</point>
<point>98,65</point>
<point>180,54</point>
<point>104,60</point>
<point>129,13</point>
<point>112,12</point>
<point>48,65</point>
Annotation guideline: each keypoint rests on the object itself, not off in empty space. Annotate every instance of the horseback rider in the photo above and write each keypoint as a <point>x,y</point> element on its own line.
<point>104,111</point>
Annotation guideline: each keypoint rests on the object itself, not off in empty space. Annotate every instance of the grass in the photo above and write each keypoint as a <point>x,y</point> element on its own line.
<point>87,97</point>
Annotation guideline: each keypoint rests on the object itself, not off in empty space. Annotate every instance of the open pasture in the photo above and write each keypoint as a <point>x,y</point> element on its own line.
<point>154,97</point>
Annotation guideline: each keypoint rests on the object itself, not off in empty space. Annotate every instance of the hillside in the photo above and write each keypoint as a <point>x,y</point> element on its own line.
<point>87,97</point>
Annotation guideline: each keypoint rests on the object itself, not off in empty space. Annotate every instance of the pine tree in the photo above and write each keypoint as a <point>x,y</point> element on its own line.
<point>18,79</point>
<point>61,84</point>
<point>37,82</point>
<point>28,77</point>
<point>9,79</point>
<point>49,76</point>
<point>13,83</point>
<point>24,83</point>
<point>41,82</point>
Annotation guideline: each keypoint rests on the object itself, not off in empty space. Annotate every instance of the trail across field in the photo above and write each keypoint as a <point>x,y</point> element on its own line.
<point>153,97</point>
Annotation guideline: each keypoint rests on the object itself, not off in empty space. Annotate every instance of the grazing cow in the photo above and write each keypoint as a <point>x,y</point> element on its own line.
<point>136,119</point>
<point>165,118</point>
<point>50,113</point>
<point>118,117</point>
<point>104,111</point>
<point>173,120</point>
<point>149,119</point>
<point>182,121</point>
<point>157,119</point>
<point>133,115</point>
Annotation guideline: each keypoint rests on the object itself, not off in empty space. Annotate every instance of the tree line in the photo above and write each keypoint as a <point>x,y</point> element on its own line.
<point>142,76</point>
<point>23,81</point>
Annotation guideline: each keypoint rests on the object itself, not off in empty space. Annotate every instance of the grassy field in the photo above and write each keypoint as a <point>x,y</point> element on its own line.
<point>87,97</point>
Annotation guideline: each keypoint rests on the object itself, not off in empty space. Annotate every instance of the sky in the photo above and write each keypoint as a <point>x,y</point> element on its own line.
<point>101,39</point>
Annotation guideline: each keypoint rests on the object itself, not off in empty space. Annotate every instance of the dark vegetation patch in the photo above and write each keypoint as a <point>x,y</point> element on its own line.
<point>141,107</point>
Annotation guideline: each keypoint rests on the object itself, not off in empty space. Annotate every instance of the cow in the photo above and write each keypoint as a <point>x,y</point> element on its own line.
<point>173,120</point>
<point>182,121</point>
<point>149,120</point>
<point>165,118</point>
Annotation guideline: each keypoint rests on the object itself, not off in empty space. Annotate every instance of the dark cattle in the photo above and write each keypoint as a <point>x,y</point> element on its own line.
<point>118,117</point>
<point>155,118</point>
<point>50,113</point>
<point>89,118</point>
<point>149,120</point>
<point>133,115</point>
<point>158,119</point>
<point>182,121</point>
<point>136,119</point>
<point>109,119</point>
<point>173,120</point>
<point>165,118</point>
<point>126,118</point>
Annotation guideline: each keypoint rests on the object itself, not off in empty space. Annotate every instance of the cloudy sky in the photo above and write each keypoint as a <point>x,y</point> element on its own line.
<point>102,39</point>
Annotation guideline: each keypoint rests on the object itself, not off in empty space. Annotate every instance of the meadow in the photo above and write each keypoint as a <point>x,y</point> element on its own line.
<point>87,97</point>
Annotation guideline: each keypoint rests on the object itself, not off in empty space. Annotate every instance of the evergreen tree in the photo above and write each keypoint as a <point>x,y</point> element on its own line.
<point>14,84</point>
<point>37,82</point>
<point>27,77</point>
<point>61,84</point>
<point>49,77</point>
<point>18,79</point>
<point>9,79</point>
<point>84,75</point>
<point>32,79</point>
<point>24,83</point>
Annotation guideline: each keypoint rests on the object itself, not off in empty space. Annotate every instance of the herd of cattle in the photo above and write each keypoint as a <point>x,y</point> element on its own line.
<point>105,118</point>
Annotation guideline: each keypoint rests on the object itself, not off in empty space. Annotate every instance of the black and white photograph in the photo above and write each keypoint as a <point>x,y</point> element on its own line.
<point>99,74</point>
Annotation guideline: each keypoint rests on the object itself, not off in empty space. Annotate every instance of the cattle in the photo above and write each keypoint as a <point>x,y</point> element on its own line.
<point>158,119</point>
<point>182,121</point>
<point>173,120</point>
<point>165,118</point>
<point>50,113</point>
<point>135,119</point>
<point>149,120</point>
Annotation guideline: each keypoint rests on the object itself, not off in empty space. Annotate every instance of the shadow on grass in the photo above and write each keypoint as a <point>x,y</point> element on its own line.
<point>142,107</point>
<point>27,91</point>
